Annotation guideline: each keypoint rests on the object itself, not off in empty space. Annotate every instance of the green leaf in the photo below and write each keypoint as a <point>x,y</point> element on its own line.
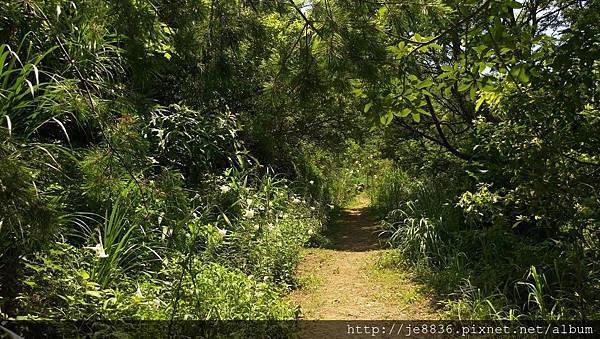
<point>514,4</point>
<point>95,294</point>
<point>368,107</point>
<point>480,49</point>
<point>478,104</point>
<point>473,92</point>
<point>83,274</point>
<point>447,91</point>
<point>523,77</point>
<point>386,118</point>
<point>520,74</point>
<point>464,86</point>
<point>416,117</point>
<point>425,83</point>
<point>404,113</point>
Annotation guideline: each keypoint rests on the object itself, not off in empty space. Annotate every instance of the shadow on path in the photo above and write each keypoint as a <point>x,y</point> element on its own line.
<point>343,281</point>
<point>355,230</point>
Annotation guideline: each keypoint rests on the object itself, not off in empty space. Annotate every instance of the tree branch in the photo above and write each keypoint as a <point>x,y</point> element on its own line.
<point>440,132</point>
<point>308,22</point>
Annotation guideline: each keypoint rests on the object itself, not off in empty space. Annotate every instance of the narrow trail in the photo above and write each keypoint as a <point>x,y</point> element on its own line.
<point>344,281</point>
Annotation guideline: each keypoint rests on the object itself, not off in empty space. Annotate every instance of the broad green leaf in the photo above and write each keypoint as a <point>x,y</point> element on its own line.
<point>416,117</point>
<point>473,92</point>
<point>464,86</point>
<point>425,83</point>
<point>83,274</point>
<point>386,118</point>
<point>404,113</point>
<point>523,77</point>
<point>519,73</point>
<point>368,107</point>
<point>447,91</point>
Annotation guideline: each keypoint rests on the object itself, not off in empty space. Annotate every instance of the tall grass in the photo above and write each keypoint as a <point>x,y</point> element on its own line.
<point>480,270</point>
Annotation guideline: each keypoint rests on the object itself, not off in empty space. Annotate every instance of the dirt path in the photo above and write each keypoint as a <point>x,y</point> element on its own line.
<point>345,282</point>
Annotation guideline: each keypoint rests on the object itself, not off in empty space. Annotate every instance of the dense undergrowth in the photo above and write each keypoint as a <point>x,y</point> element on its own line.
<point>167,159</point>
<point>456,242</point>
<point>137,180</point>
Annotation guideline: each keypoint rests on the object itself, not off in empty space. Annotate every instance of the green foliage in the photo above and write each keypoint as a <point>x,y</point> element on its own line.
<point>217,136</point>
<point>60,286</point>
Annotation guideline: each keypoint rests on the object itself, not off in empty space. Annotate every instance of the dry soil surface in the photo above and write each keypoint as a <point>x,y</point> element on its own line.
<point>344,281</point>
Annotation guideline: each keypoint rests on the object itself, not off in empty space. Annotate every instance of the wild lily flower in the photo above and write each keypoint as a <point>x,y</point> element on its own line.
<point>222,232</point>
<point>311,182</point>
<point>249,214</point>
<point>99,249</point>
<point>224,189</point>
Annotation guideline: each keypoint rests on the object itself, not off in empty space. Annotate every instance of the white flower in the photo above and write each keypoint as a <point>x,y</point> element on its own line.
<point>312,208</point>
<point>311,182</point>
<point>256,227</point>
<point>296,201</point>
<point>138,293</point>
<point>331,206</point>
<point>99,249</point>
<point>249,214</point>
<point>224,189</point>
<point>249,201</point>
<point>310,232</point>
<point>222,232</point>
<point>166,232</point>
